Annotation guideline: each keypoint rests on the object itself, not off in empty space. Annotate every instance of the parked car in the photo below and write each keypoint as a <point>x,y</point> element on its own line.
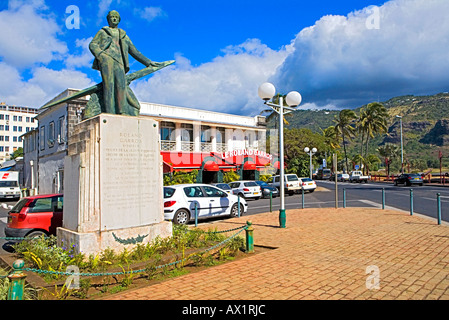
<point>408,179</point>
<point>342,177</point>
<point>291,183</point>
<point>267,189</point>
<point>357,176</point>
<point>246,189</point>
<point>180,202</point>
<point>323,174</point>
<point>35,216</point>
<point>308,184</point>
<point>223,186</point>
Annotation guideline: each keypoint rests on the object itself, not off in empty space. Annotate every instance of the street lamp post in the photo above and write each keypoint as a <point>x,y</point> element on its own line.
<point>310,153</point>
<point>293,99</point>
<point>402,146</point>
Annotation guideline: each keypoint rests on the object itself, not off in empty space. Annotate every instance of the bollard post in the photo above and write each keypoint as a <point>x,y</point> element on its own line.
<point>344,197</point>
<point>383,198</point>
<point>271,201</point>
<point>17,278</point>
<point>238,204</point>
<point>302,197</point>
<point>411,202</point>
<point>196,214</point>
<point>439,207</point>
<point>249,237</point>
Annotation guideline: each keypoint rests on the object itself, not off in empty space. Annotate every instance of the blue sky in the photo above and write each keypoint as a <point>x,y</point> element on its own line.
<point>335,53</point>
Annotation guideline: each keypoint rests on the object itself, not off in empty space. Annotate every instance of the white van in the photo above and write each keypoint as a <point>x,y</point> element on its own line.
<point>9,184</point>
<point>292,183</point>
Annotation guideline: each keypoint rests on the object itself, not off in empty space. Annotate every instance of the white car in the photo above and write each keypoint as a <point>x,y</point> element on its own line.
<point>246,189</point>
<point>180,202</point>
<point>308,184</point>
<point>292,183</point>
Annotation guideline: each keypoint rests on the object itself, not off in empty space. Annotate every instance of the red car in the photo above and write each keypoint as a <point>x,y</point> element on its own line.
<point>35,216</point>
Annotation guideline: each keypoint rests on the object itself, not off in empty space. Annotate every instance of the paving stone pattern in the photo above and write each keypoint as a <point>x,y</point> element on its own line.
<point>324,254</point>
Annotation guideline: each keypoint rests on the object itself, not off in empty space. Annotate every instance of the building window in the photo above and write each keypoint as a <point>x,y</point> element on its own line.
<point>6,128</point>
<point>167,131</point>
<point>206,134</point>
<point>14,139</point>
<point>42,138</point>
<point>14,128</point>
<point>14,118</point>
<point>27,119</point>
<point>2,127</point>
<point>7,138</point>
<point>61,130</point>
<point>220,134</point>
<point>20,118</point>
<point>2,117</point>
<point>187,132</point>
<point>2,149</point>
<point>51,134</point>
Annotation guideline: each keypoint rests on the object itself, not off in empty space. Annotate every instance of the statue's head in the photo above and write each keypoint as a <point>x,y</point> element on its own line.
<point>113,18</point>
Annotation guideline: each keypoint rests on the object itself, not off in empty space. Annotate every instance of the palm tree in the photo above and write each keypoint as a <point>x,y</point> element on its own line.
<point>372,122</point>
<point>343,126</point>
<point>331,138</point>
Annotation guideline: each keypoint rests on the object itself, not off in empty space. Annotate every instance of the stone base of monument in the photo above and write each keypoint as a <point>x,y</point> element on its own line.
<point>113,193</point>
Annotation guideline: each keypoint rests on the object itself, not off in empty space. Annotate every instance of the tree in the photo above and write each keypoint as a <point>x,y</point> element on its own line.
<point>372,121</point>
<point>331,138</point>
<point>343,126</point>
<point>17,154</point>
<point>390,152</point>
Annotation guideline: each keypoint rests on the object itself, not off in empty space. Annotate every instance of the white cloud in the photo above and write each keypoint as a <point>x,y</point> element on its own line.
<point>84,58</point>
<point>150,13</point>
<point>228,83</point>
<point>44,85</point>
<point>27,37</point>
<point>341,61</point>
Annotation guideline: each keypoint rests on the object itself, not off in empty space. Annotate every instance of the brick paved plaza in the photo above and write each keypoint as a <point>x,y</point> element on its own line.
<point>324,254</point>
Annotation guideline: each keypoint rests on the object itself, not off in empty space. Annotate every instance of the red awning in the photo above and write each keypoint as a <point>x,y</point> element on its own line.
<point>249,165</point>
<point>211,166</point>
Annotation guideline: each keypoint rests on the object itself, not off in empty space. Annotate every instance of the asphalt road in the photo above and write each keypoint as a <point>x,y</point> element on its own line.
<point>365,195</point>
<point>357,195</point>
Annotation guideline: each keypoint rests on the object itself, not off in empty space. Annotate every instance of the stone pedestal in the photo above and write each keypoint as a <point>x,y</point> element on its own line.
<point>113,194</point>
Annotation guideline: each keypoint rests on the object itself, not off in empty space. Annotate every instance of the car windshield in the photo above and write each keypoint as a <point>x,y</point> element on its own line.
<point>250,184</point>
<point>415,175</point>
<point>292,178</point>
<point>306,179</point>
<point>168,192</point>
<point>234,185</point>
<point>8,184</point>
<point>223,186</point>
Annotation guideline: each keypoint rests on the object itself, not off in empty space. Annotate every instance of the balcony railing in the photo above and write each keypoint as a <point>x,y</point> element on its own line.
<point>187,146</point>
<point>168,145</point>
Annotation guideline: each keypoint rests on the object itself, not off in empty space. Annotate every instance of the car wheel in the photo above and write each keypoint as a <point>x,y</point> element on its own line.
<point>36,234</point>
<point>182,216</point>
<point>395,183</point>
<point>235,210</point>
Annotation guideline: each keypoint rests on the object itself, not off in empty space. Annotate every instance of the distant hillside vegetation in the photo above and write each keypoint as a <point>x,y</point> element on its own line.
<point>425,124</point>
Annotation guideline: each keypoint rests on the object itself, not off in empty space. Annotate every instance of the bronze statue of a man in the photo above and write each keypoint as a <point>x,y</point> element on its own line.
<point>111,48</point>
